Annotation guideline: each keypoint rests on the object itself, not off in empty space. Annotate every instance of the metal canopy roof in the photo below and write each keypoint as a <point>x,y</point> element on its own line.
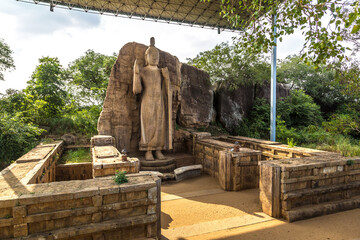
<point>183,12</point>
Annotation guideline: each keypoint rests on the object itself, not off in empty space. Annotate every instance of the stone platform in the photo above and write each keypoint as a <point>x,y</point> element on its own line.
<point>168,165</point>
<point>33,206</point>
<point>297,189</point>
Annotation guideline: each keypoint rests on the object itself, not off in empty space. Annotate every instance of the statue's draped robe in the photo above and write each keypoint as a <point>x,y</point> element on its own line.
<point>153,119</point>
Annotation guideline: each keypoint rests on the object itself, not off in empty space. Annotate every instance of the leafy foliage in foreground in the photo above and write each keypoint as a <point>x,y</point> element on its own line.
<point>322,23</point>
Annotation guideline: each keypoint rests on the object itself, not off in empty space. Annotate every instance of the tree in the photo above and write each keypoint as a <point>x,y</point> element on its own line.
<point>6,60</point>
<point>321,22</point>
<point>226,63</point>
<point>89,77</point>
<point>45,90</point>
<point>319,83</point>
<point>299,110</point>
<point>12,101</point>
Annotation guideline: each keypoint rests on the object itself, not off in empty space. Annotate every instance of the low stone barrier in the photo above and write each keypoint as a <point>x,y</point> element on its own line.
<point>235,170</point>
<point>302,188</point>
<point>274,150</point>
<point>74,171</point>
<point>33,206</point>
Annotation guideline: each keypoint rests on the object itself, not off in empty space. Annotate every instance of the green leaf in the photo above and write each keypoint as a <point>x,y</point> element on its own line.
<point>355,29</point>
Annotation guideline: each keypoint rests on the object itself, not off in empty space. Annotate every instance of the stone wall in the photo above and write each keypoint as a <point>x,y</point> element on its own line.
<point>74,171</point>
<point>235,170</point>
<point>302,188</point>
<point>46,156</point>
<point>87,209</point>
<point>274,150</point>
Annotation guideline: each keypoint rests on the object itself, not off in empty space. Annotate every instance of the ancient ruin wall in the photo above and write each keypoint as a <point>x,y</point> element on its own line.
<point>74,171</point>
<point>235,170</point>
<point>303,188</point>
<point>88,209</point>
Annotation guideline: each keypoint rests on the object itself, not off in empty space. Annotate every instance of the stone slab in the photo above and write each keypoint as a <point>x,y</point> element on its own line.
<point>188,172</point>
<point>36,154</point>
<point>105,152</point>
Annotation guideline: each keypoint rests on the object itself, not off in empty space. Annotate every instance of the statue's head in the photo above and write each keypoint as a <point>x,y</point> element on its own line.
<point>152,54</point>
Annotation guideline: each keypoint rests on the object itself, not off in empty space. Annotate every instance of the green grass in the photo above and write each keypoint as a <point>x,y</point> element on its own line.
<point>345,146</point>
<point>78,155</point>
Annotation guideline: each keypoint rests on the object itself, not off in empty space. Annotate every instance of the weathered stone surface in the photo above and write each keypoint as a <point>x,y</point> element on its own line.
<point>182,141</point>
<point>196,105</point>
<point>156,121</point>
<point>106,160</point>
<point>120,116</point>
<point>233,105</point>
<point>187,172</point>
<point>102,140</point>
<point>264,91</point>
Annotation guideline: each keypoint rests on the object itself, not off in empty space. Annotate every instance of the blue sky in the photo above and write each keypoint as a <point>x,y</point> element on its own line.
<point>32,31</point>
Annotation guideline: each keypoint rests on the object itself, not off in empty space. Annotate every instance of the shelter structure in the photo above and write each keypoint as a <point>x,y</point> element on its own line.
<point>204,14</point>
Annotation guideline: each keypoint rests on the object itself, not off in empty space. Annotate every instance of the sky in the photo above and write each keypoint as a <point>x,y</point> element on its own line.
<point>32,32</point>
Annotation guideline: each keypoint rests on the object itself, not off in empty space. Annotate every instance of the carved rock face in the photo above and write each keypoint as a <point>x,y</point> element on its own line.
<point>152,56</point>
<point>120,116</point>
<point>192,97</point>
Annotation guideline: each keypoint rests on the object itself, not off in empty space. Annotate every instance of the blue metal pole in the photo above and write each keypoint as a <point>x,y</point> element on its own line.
<point>273,87</point>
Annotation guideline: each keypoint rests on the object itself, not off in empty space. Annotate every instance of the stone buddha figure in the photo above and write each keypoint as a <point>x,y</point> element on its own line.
<point>155,108</point>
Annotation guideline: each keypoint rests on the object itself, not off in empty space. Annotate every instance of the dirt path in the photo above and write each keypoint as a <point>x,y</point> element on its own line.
<point>199,209</point>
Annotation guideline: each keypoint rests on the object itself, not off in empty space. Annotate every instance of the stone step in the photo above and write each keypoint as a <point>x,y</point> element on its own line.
<point>163,169</point>
<point>322,209</point>
<point>172,161</point>
<point>157,163</point>
<point>188,172</point>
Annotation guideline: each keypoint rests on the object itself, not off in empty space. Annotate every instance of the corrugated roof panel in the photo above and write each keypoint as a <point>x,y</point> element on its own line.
<point>188,12</point>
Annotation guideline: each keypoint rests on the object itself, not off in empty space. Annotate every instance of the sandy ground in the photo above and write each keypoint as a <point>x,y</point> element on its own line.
<point>198,209</point>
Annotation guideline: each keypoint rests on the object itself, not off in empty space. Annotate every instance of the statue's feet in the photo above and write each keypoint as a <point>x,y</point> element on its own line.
<point>149,156</point>
<point>159,155</point>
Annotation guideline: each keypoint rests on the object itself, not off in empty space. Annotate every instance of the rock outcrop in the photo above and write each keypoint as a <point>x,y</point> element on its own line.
<point>196,104</point>
<point>192,97</point>
<point>264,91</point>
<point>233,105</point>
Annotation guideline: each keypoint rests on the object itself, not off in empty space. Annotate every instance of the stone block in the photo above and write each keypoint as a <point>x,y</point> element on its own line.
<point>151,209</point>
<point>97,200</point>
<point>152,194</point>
<point>102,140</point>
<point>96,217</point>
<point>188,172</point>
<point>19,213</point>
<point>20,230</point>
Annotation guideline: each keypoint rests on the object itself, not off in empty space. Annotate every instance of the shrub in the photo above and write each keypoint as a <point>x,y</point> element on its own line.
<point>299,110</point>
<point>120,177</point>
<point>257,124</point>
<point>16,138</point>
